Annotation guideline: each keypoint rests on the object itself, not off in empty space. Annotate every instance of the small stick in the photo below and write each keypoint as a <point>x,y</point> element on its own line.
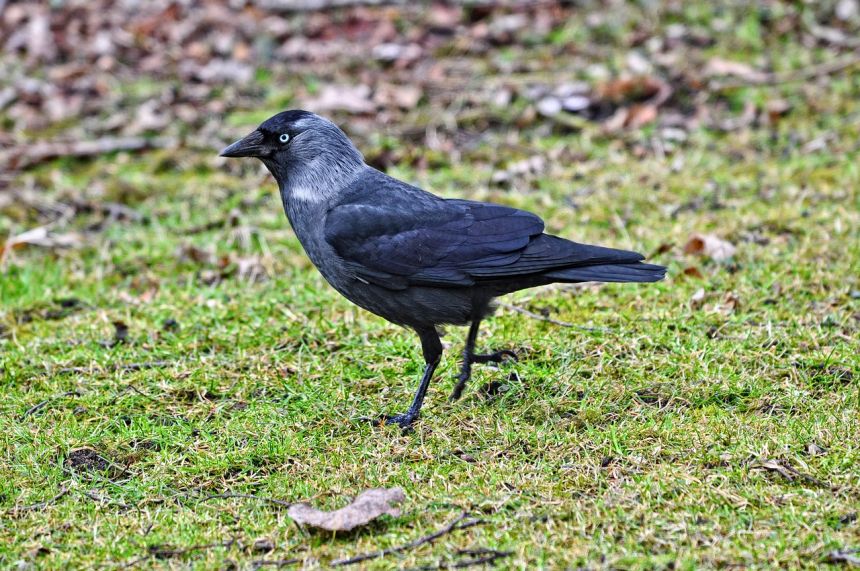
<point>91,494</point>
<point>456,524</point>
<point>161,553</point>
<point>132,387</point>
<point>40,505</point>
<point>480,557</point>
<point>812,72</point>
<point>37,407</point>
<point>274,562</point>
<point>35,153</point>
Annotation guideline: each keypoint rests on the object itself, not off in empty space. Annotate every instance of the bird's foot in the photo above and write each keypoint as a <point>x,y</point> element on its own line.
<point>404,420</point>
<point>466,370</point>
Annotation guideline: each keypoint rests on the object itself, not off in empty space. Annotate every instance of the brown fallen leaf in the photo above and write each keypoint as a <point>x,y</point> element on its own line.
<point>721,67</point>
<point>43,237</point>
<point>710,246</point>
<point>697,299</point>
<point>663,248</point>
<point>641,115</point>
<point>366,507</point>
<point>638,89</point>
<point>787,471</point>
<point>693,272</point>
<point>350,98</point>
<point>776,109</point>
<point>401,96</point>
<point>729,303</point>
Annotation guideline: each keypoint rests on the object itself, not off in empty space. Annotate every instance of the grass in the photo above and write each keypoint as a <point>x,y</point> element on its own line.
<point>666,435</point>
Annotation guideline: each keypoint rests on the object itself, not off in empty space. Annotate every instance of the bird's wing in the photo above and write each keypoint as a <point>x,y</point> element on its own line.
<point>447,243</point>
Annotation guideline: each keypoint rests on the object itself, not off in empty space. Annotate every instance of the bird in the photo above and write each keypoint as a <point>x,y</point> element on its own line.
<point>416,259</point>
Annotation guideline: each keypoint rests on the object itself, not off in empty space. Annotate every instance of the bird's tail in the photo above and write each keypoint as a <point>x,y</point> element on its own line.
<point>633,272</point>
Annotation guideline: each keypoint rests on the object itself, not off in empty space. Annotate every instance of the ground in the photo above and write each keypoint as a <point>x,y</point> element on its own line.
<point>181,364</point>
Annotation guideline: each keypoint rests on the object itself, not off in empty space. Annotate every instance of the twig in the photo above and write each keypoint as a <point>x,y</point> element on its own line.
<point>37,506</point>
<point>274,562</point>
<point>317,5</point>
<point>832,36</point>
<point>481,556</point>
<point>112,210</point>
<point>35,153</point>
<point>37,407</point>
<point>314,5</point>
<point>456,524</point>
<point>803,74</point>
<point>114,367</point>
<point>847,556</point>
<point>161,552</point>
<point>789,472</point>
<point>540,317</point>
<point>248,497</point>
<point>91,494</point>
<point>132,387</point>
<point>133,562</point>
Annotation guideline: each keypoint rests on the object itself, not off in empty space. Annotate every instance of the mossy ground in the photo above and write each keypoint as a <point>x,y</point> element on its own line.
<point>651,440</point>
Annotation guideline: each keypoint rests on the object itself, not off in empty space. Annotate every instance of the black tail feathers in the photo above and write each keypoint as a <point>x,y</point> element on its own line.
<point>635,272</point>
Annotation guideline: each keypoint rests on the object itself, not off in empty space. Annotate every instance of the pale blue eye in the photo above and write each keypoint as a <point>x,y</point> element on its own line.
<point>284,138</point>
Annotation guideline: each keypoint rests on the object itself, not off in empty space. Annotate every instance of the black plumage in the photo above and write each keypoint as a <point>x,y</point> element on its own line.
<point>407,255</point>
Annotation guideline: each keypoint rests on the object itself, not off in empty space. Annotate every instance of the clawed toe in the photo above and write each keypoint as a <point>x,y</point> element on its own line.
<point>404,421</point>
<point>458,388</point>
<point>496,357</point>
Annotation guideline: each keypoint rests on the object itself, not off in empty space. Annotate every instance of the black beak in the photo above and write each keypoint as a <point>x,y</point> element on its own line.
<point>250,146</point>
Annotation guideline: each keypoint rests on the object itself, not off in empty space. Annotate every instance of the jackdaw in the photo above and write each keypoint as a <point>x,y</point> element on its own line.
<point>409,256</point>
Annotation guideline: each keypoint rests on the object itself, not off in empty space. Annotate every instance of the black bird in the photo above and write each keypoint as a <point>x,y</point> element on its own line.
<point>414,258</point>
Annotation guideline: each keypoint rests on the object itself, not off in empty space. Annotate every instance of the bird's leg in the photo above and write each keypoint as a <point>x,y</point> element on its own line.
<point>431,346</point>
<point>469,357</point>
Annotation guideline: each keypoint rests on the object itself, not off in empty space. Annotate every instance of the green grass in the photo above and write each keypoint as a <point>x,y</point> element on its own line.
<point>648,441</point>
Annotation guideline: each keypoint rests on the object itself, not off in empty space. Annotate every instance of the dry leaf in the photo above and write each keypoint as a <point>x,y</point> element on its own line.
<point>774,466</point>
<point>718,66</point>
<point>813,449</point>
<point>776,109</point>
<point>787,471</point>
<point>697,299</point>
<point>391,51</point>
<point>710,246</point>
<point>663,248</point>
<point>549,106</point>
<point>195,254</point>
<point>729,304</point>
<point>43,237</point>
<point>635,89</point>
<point>366,507</point>
<point>349,98</point>
<point>402,96</point>
<point>693,272</point>
<point>641,115</point>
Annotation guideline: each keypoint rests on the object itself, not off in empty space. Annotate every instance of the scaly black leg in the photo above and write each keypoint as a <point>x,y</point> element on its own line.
<point>431,346</point>
<point>469,357</point>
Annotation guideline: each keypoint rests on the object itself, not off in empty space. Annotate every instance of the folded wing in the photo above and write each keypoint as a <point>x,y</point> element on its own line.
<point>450,243</point>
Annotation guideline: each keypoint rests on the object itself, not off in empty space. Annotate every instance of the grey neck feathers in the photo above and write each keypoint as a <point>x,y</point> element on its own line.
<point>318,167</point>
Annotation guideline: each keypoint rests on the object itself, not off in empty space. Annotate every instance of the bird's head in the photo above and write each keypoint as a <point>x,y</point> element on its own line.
<point>308,155</point>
